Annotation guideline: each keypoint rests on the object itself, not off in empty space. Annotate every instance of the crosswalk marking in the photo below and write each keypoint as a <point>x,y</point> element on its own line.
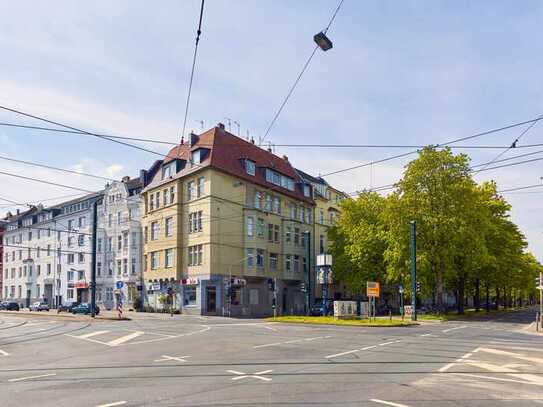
<point>3,353</point>
<point>90,335</point>
<point>125,338</point>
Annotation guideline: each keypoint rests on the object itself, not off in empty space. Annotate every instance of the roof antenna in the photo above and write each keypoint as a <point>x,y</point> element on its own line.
<point>247,135</point>
<point>201,123</point>
<point>182,140</point>
<point>229,121</point>
<point>239,127</point>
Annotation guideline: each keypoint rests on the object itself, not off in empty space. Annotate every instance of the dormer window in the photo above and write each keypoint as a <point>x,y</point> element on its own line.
<point>250,167</point>
<point>168,170</point>
<point>307,190</point>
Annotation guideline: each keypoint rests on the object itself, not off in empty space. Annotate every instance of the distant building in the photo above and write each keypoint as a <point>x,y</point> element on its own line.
<point>2,230</point>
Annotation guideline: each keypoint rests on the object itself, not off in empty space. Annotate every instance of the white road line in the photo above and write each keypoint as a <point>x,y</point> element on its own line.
<point>501,379</point>
<point>459,360</point>
<point>19,379</point>
<point>126,338</point>
<point>426,335</point>
<point>117,403</point>
<point>446,367</point>
<point>291,341</point>
<point>454,329</point>
<point>89,335</point>
<point>521,348</point>
<point>386,343</point>
<point>388,403</point>
<point>3,353</point>
<point>515,355</point>
<point>342,353</point>
<point>369,347</point>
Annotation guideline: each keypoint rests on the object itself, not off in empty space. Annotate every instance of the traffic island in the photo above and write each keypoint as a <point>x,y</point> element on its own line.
<point>378,322</point>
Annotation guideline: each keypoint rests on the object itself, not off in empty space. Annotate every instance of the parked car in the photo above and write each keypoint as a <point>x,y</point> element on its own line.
<point>39,306</point>
<point>68,307</point>
<point>318,309</point>
<point>9,306</point>
<point>85,308</point>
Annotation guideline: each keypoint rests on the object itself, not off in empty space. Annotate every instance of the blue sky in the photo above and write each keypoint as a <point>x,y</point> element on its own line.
<point>410,72</point>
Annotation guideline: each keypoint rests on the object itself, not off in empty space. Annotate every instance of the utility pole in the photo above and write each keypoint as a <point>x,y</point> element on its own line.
<point>308,272</point>
<point>540,298</point>
<point>93,258</point>
<point>413,225</point>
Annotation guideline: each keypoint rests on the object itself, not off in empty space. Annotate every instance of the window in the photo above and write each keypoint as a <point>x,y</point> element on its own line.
<point>81,257</point>
<point>133,266</point>
<point>81,240</point>
<point>38,270</point>
<point>273,261</point>
<point>99,245</point>
<point>196,156</point>
<point>321,217</point>
<point>288,263</point>
<point>296,236</point>
<point>307,190</point>
<point>201,187</point>
<point>110,268</point>
<point>169,227</point>
<point>276,233</point>
<point>38,293</point>
<point>270,232</point>
<point>71,258</point>
<point>70,241</point>
<point>145,234</point>
<point>269,202</point>
<point>276,205</point>
<point>260,227</point>
<point>119,242</point>
<point>130,215</point>
<point>258,199</point>
<point>125,239</point>
<point>119,267</point>
<point>109,244</point>
<point>250,167</point>
<point>48,269</point>
<point>302,213</point>
<point>195,255</point>
<point>168,170</point>
<point>293,211</point>
<point>119,216</point>
<point>151,204</point>
<point>321,244</point>
<point>157,200</point>
<point>70,294</point>
<point>70,224</point>
<point>82,222</point>
<point>125,267</point>
<point>154,230</point>
<point>168,261</point>
<point>38,251</point>
<point>165,197</point>
<point>195,222</point>
<point>250,226</point>
<point>296,263</point>
<point>189,295</point>
<point>70,276</point>
<point>190,190</point>
<point>250,258</point>
<point>39,233</point>
<point>98,269</point>
<point>109,219</point>
<point>260,257</point>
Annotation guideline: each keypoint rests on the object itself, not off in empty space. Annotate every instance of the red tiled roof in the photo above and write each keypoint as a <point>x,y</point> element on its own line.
<point>227,152</point>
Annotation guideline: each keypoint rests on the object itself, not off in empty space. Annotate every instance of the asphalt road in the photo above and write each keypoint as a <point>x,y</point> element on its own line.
<point>202,361</point>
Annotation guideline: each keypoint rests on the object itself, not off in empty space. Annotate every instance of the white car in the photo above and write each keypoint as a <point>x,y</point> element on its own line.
<point>39,306</point>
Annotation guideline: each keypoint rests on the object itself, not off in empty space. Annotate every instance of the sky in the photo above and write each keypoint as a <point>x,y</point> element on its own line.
<point>410,72</point>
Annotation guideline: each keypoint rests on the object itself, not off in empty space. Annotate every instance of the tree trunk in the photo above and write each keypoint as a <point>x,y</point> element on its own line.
<point>477,298</point>
<point>460,299</point>
<point>497,298</point>
<point>439,289</point>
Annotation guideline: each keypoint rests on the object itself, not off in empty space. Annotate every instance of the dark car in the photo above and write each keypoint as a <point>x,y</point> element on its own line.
<point>85,308</point>
<point>318,309</point>
<point>10,306</point>
<point>68,307</point>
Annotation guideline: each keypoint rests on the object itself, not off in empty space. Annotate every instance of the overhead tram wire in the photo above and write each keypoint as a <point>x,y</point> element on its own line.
<point>520,188</point>
<point>447,144</point>
<point>198,33</point>
<point>296,145</point>
<point>513,145</point>
<point>47,182</point>
<point>299,77</point>
<point>55,168</point>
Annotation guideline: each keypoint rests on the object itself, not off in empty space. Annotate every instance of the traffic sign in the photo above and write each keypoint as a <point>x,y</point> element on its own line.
<point>119,284</point>
<point>372,289</point>
<point>408,309</point>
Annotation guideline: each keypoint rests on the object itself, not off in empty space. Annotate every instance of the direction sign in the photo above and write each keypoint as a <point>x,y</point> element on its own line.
<point>119,284</point>
<point>372,289</point>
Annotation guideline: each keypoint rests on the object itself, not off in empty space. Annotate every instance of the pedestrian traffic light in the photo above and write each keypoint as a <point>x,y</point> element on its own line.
<point>302,287</point>
<point>271,284</point>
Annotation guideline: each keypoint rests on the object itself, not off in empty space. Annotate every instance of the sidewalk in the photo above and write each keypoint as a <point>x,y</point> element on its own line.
<point>104,315</point>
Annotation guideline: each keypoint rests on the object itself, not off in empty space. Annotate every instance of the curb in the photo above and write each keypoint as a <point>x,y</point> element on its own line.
<point>63,315</point>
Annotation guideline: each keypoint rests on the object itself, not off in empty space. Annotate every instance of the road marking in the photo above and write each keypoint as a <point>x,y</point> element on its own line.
<point>117,403</point>
<point>169,358</point>
<point>342,354</point>
<point>19,379</point>
<point>388,403</point>
<point>459,360</point>
<point>291,341</point>
<point>501,379</point>
<point>90,335</point>
<point>521,348</point>
<point>256,375</point>
<point>385,343</point>
<point>271,328</point>
<point>3,353</point>
<point>426,335</point>
<point>369,347</point>
<point>454,329</point>
<point>125,338</point>
<point>515,355</point>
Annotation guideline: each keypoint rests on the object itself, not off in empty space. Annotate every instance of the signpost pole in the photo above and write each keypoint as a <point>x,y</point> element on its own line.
<point>414,269</point>
<point>93,258</point>
<point>541,298</point>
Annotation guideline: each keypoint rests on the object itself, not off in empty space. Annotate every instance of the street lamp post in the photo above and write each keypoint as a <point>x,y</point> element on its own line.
<point>230,284</point>
<point>307,239</point>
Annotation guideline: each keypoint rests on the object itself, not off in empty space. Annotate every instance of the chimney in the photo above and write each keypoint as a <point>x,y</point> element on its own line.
<point>285,158</point>
<point>193,139</point>
<point>252,140</point>
<point>220,126</point>
<point>18,211</point>
<point>125,179</point>
<point>143,177</point>
<point>269,150</point>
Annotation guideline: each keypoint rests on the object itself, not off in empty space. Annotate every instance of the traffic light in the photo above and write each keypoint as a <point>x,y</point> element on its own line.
<point>538,282</point>
<point>418,286</point>
<point>302,287</point>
